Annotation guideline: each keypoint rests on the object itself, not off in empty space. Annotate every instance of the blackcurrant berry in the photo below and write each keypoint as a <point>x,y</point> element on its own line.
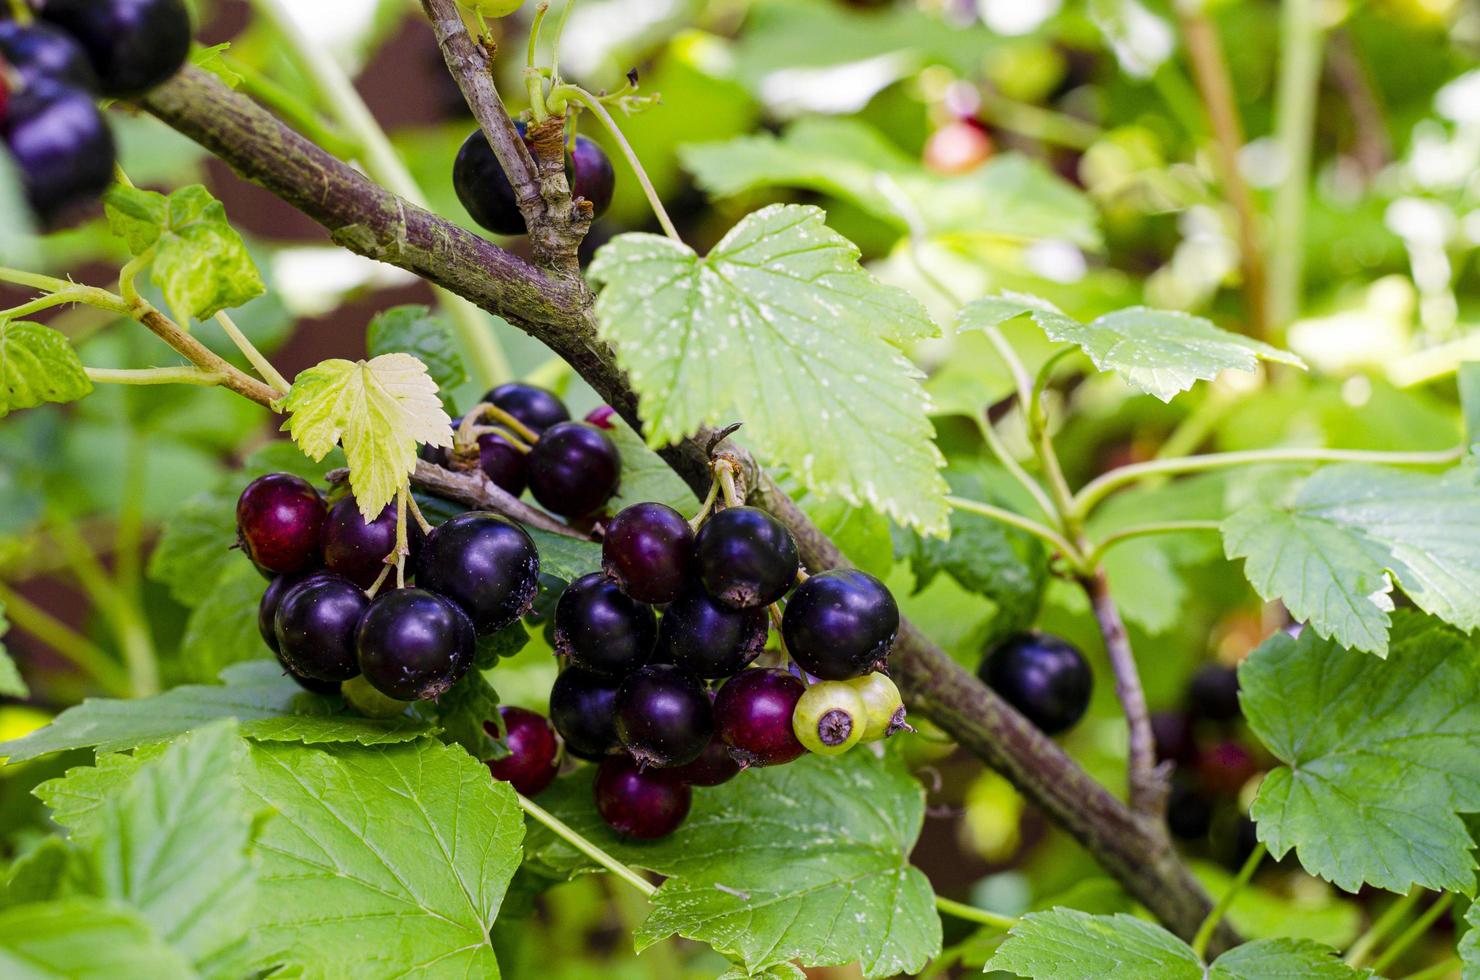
<point>1189,813</point>
<point>708,637</point>
<point>647,550</point>
<point>267,608</point>
<point>600,627</point>
<point>591,175</point>
<point>310,684</point>
<point>829,719</point>
<point>714,766</point>
<point>357,550</point>
<point>840,624</point>
<point>664,716</point>
<point>538,408</point>
<point>1213,693</point>
<point>583,709</point>
<point>413,644</point>
<point>573,469</point>
<point>745,557</point>
<point>61,146</point>
<point>485,564</point>
<point>1172,733</point>
<point>484,189</point>
<point>752,713</point>
<point>531,763</point>
<point>315,626</point>
<point>882,706</point>
<point>502,463</point>
<point>39,51</point>
<point>1043,677</point>
<point>134,44</point>
<point>639,802</point>
<point>280,522</point>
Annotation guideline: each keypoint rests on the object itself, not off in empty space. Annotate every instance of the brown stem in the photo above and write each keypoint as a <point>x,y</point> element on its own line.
<point>204,358</point>
<point>475,489</point>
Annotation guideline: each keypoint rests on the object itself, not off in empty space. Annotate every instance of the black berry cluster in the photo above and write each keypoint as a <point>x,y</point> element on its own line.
<point>485,191</point>
<point>53,70</point>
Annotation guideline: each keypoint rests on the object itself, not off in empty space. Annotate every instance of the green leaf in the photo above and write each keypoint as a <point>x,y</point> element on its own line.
<point>37,364</point>
<point>645,476</point>
<point>84,939</point>
<point>268,705</point>
<point>210,59</point>
<point>11,683</point>
<point>379,409</point>
<point>414,330</point>
<point>780,327</point>
<point>1469,943</point>
<point>200,262</point>
<point>563,557</point>
<point>462,712</point>
<point>194,549</point>
<point>1330,555</point>
<point>1160,352</point>
<point>1378,755</point>
<point>392,861</point>
<point>222,630</point>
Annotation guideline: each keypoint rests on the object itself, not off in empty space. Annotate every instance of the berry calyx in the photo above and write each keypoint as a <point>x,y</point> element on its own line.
<point>647,550</point>
<point>663,716</point>
<point>356,549</point>
<point>133,44</point>
<point>360,695</point>
<point>600,627</point>
<point>714,766</point>
<point>840,624</point>
<point>533,752</point>
<point>414,644</point>
<point>591,174</point>
<point>639,802</point>
<point>745,557</point>
<point>752,713</point>
<point>1044,677</point>
<point>829,719</point>
<point>583,709</point>
<point>315,626</point>
<point>61,146</point>
<point>706,636</point>
<point>487,565</point>
<point>883,708</point>
<point>538,408</point>
<point>279,523</point>
<point>573,469</point>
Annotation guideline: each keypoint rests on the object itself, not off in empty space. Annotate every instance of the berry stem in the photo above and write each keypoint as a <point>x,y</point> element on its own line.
<point>533,79</point>
<point>415,508</point>
<point>403,546</point>
<point>497,430</point>
<point>725,474</point>
<point>563,830</point>
<point>1225,901</point>
<point>481,410</point>
<point>254,357</point>
<point>971,913</point>
<point>1096,552</point>
<point>555,41</point>
<point>1413,933</point>
<point>130,272</point>
<point>21,11</point>
<point>380,579</point>
<point>1047,534</point>
<point>41,303</point>
<point>706,506</point>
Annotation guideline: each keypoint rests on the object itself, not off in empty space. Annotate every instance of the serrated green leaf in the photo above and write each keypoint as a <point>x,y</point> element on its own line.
<point>1378,755</point>
<point>1469,943</point>
<point>1282,959</point>
<point>462,711</point>
<point>1160,352</point>
<point>394,860</point>
<point>37,365</point>
<point>11,683</point>
<point>780,327</point>
<point>645,476</point>
<point>1330,554</point>
<point>379,409</point>
<point>210,59</point>
<point>414,330</point>
<point>194,547</point>
<point>84,939</point>
<point>222,629</point>
<point>778,971</point>
<point>52,869</point>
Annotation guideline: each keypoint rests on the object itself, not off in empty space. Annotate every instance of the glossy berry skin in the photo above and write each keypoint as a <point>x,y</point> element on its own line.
<point>280,522</point>
<point>664,716</point>
<point>60,144</point>
<point>315,625</point>
<point>840,624</point>
<point>502,463</point>
<point>357,550</point>
<point>830,718</point>
<point>600,627</point>
<point>708,637</point>
<point>745,557</point>
<point>413,644</point>
<point>267,608</point>
<point>752,713</point>
<point>644,803</point>
<point>714,766</point>
<point>583,709</point>
<point>39,51</point>
<point>1213,693</point>
<point>538,408</point>
<point>883,708</point>
<point>485,564</point>
<point>484,189</point>
<point>591,175</point>
<point>133,44</point>
<point>573,469</point>
<point>647,550</point>
<point>1043,677</point>
<point>312,685</point>
<point>533,751</point>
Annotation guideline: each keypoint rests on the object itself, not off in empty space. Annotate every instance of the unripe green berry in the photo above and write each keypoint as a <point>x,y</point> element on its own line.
<point>365,699</point>
<point>883,708</point>
<point>829,718</point>
<point>491,8</point>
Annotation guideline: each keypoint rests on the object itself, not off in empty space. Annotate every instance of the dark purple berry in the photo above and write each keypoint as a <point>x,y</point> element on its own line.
<point>357,550</point>
<point>1043,677</point>
<point>714,766</point>
<point>599,627</point>
<point>583,710</point>
<point>592,176</point>
<point>531,763</point>
<point>134,44</point>
<point>1189,813</point>
<point>61,146</point>
<point>315,626</point>
<point>1172,733</point>
<point>573,469</point>
<point>506,466</point>
<point>538,408</point>
<point>312,685</point>
<point>708,637</point>
<point>840,624</point>
<point>483,188</point>
<point>280,522</point>
<point>39,51</point>
<point>639,802</point>
<point>745,557</point>
<point>663,716</point>
<point>752,713</point>
<point>267,608</point>
<point>485,564</point>
<point>647,550</point>
<point>1213,693</point>
<point>413,644</point>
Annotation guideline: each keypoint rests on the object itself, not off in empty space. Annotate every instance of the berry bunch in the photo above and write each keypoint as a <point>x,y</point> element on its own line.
<point>52,71</point>
<point>485,191</point>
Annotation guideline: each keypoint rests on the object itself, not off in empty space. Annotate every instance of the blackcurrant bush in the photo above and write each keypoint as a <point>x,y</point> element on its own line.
<point>708,637</point>
<point>664,716</point>
<point>315,626</point>
<point>485,564</point>
<point>41,52</point>
<point>573,469</point>
<point>533,751</point>
<point>883,708</point>
<point>267,608</point>
<point>591,175</point>
<point>362,696</point>
<point>639,802</point>
<point>61,146</point>
<point>280,522</point>
<point>1213,693</point>
<point>1043,677</point>
<point>502,463</point>
<point>357,550</point>
<point>714,766</point>
<point>745,557</point>
<point>538,408</point>
<point>830,718</point>
<point>600,627</point>
<point>752,713</point>
<point>583,709</point>
<point>647,550</point>
<point>840,624</point>
<point>413,644</point>
<point>134,44</point>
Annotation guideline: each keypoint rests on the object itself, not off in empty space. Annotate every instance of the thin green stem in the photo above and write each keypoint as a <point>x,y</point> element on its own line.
<point>124,617</point>
<point>254,357</point>
<point>66,641</point>
<point>128,531</point>
<point>300,115</point>
<point>1010,463</point>
<point>38,304</point>
<point>1385,923</point>
<point>1413,933</point>
<point>563,830</point>
<point>1225,901</point>
<point>89,295</point>
<point>1039,123</point>
<point>1443,968</point>
<point>971,913</point>
<point>47,284</point>
<point>1048,534</point>
<point>185,374</point>
<point>1097,551</point>
<point>534,81</point>
<point>21,11</point>
<point>1301,39</point>
<point>130,271</point>
<point>555,41</point>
